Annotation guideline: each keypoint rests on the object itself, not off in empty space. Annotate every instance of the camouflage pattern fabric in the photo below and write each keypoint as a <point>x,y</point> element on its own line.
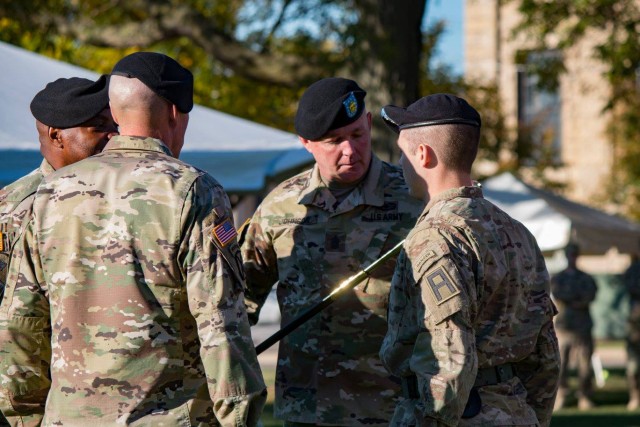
<point>471,291</point>
<point>631,279</point>
<point>16,201</point>
<point>329,372</point>
<point>133,289</point>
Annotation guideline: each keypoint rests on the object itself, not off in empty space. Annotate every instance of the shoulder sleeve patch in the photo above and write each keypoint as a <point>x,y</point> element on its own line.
<point>225,232</point>
<point>441,285</point>
<point>443,292</point>
<point>223,236</point>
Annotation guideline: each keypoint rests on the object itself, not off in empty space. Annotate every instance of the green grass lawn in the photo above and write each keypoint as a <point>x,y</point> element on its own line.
<point>610,410</point>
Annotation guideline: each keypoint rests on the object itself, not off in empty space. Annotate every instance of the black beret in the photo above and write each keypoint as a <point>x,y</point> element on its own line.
<point>161,74</point>
<point>437,109</point>
<point>66,103</point>
<point>328,104</point>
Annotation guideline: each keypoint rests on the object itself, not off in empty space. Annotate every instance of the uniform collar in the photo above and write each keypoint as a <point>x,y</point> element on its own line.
<point>453,193</point>
<point>123,142</point>
<point>369,192</point>
<point>19,190</point>
<point>46,168</point>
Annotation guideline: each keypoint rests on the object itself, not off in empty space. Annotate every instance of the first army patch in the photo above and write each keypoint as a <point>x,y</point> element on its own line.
<point>224,232</point>
<point>441,285</point>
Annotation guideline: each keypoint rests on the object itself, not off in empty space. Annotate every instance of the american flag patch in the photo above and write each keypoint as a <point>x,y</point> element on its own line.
<point>225,232</point>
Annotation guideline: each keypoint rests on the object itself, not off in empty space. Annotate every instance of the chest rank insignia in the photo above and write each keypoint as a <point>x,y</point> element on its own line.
<point>351,105</point>
<point>225,232</point>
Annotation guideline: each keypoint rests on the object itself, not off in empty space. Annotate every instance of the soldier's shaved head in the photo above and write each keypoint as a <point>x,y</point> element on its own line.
<point>139,111</point>
<point>133,101</point>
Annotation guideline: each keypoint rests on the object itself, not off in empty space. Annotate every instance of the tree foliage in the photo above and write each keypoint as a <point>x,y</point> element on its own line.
<point>250,57</point>
<point>253,58</point>
<point>612,26</point>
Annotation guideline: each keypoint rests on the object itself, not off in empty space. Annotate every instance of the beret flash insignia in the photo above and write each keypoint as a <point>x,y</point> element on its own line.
<point>351,105</point>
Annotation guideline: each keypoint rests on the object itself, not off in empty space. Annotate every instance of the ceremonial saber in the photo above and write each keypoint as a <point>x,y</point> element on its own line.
<point>349,283</point>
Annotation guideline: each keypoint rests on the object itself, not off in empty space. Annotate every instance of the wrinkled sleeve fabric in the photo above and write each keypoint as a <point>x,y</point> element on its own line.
<point>25,337</point>
<point>444,356</point>
<point>539,374</point>
<point>260,265</point>
<point>540,371</point>
<point>214,284</point>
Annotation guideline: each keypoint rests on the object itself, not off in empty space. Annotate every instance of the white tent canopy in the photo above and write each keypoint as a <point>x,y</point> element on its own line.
<point>554,220</point>
<point>239,153</point>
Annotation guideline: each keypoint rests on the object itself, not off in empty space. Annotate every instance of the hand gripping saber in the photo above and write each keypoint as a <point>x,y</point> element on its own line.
<point>349,283</point>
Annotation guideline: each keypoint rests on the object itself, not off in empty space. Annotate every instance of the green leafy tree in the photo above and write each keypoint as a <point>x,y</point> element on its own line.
<point>562,24</point>
<point>253,58</point>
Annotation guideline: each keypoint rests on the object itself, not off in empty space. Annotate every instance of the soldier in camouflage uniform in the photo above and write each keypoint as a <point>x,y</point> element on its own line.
<point>73,121</point>
<point>573,291</point>
<point>310,233</point>
<point>631,279</point>
<point>133,283</point>
<point>470,316</point>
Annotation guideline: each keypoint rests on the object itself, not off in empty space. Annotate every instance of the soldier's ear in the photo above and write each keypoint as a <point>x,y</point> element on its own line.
<point>55,137</point>
<point>425,155</point>
<point>305,143</point>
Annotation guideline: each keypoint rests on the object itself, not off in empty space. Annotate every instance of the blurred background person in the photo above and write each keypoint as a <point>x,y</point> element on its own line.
<point>573,291</point>
<point>631,279</point>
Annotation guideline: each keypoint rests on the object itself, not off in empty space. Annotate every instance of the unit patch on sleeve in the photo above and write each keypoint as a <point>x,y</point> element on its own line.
<point>225,232</point>
<point>441,285</point>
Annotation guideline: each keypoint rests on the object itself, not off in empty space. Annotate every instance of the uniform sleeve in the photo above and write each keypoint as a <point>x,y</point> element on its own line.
<point>214,281</point>
<point>260,265</point>
<point>540,371</point>
<point>444,356</point>
<point>631,280</point>
<point>25,337</point>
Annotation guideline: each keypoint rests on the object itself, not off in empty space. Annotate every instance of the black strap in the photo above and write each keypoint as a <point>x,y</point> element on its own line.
<point>410,387</point>
<point>494,375</point>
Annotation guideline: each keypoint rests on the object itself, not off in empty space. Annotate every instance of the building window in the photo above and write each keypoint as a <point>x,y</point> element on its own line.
<point>539,108</point>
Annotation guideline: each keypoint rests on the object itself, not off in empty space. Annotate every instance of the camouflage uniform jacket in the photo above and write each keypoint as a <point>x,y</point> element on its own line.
<point>16,200</point>
<point>329,371</point>
<point>471,291</point>
<point>133,285</point>
<point>573,290</point>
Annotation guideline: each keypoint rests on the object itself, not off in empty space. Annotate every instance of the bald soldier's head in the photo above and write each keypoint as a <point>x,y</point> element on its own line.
<point>151,95</point>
